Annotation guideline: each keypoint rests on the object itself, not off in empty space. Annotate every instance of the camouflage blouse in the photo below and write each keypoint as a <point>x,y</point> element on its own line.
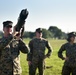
<point>10,55</point>
<point>70,50</point>
<point>37,49</point>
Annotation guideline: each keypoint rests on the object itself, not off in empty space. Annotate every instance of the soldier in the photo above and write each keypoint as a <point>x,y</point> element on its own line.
<point>37,53</point>
<point>70,58</point>
<point>10,47</point>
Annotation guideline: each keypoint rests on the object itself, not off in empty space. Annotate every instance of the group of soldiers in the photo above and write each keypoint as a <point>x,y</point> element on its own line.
<point>11,44</point>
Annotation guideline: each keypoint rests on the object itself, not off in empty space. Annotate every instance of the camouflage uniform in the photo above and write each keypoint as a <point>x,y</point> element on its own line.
<point>70,63</point>
<point>37,55</point>
<point>10,55</point>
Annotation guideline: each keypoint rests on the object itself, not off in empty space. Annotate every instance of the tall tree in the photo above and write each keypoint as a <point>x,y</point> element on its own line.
<point>55,31</point>
<point>47,34</point>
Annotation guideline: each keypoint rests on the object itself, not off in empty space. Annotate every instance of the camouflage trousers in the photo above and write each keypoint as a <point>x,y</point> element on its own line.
<point>34,66</point>
<point>2,73</point>
<point>68,70</point>
<point>17,74</point>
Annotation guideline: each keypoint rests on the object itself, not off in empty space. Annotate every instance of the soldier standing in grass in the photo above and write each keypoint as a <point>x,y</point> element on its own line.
<point>10,48</point>
<point>37,53</point>
<point>70,58</point>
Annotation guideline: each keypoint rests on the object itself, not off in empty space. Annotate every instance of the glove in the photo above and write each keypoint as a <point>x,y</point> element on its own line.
<point>23,15</point>
<point>21,20</point>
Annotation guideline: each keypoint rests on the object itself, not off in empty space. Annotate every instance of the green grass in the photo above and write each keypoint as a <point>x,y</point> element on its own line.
<point>54,61</point>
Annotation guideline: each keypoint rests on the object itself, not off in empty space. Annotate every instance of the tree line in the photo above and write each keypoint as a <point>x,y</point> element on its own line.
<point>52,32</point>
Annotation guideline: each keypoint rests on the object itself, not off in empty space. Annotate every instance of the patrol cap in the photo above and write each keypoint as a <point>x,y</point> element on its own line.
<point>71,34</point>
<point>7,24</point>
<point>39,30</point>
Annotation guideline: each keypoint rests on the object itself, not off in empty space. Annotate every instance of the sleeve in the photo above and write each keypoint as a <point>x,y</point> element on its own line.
<point>61,51</point>
<point>23,47</point>
<point>29,55</point>
<point>5,41</point>
<point>49,49</point>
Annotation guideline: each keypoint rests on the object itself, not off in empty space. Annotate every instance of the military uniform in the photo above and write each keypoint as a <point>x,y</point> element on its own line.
<point>37,55</point>
<point>70,63</point>
<point>10,55</point>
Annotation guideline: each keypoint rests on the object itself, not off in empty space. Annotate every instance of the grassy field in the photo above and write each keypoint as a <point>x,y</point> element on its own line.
<point>53,61</point>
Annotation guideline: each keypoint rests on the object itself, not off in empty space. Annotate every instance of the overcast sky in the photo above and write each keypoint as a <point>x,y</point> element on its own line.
<point>42,13</point>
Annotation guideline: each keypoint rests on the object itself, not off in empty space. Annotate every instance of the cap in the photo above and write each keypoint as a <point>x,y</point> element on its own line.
<point>71,34</point>
<point>7,24</point>
<point>39,30</point>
